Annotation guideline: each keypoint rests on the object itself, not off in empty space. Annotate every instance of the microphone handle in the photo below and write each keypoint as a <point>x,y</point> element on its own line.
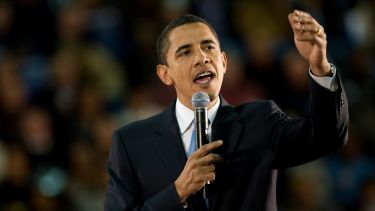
<point>201,127</point>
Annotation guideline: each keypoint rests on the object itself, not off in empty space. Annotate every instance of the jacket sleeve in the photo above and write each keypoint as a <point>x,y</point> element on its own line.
<point>124,191</point>
<point>323,129</point>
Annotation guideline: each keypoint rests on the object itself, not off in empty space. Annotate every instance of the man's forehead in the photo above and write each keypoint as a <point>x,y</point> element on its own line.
<point>190,33</point>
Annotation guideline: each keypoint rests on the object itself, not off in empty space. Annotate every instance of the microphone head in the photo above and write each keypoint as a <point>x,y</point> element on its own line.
<point>200,100</point>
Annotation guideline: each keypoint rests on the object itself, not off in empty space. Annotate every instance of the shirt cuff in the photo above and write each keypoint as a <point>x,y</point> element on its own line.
<point>328,82</point>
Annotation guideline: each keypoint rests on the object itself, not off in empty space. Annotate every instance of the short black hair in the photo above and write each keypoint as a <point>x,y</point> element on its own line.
<point>162,44</point>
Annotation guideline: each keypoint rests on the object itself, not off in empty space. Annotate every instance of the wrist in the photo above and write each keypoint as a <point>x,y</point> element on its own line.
<point>181,193</point>
<point>322,71</point>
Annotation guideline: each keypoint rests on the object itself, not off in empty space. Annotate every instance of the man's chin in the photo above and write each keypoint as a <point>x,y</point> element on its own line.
<point>208,88</point>
<point>211,93</point>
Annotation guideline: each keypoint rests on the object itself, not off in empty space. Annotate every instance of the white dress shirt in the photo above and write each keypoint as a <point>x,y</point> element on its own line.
<point>328,82</point>
<point>185,115</point>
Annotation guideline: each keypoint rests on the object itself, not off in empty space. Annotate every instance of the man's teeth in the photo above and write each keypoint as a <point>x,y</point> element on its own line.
<point>204,74</point>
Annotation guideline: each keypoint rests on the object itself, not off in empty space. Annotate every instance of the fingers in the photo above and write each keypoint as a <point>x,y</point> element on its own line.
<point>205,164</point>
<point>304,25</point>
<point>204,173</point>
<point>209,177</point>
<point>205,149</point>
<point>208,168</point>
<point>210,159</point>
<point>204,179</point>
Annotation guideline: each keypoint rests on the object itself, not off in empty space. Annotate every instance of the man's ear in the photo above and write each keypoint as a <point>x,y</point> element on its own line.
<point>162,71</point>
<point>224,56</point>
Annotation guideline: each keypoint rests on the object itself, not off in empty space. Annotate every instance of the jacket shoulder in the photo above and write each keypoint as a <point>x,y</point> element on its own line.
<point>260,105</point>
<point>140,126</point>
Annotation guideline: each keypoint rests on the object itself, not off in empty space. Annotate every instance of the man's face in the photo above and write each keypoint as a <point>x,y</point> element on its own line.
<point>195,62</point>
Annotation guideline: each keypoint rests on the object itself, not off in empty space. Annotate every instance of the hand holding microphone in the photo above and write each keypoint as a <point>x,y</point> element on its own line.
<point>200,166</point>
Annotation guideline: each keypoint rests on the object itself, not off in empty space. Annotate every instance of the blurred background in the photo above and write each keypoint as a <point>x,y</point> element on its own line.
<point>72,71</point>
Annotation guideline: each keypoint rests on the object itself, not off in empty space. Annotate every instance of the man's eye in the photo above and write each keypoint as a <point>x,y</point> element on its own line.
<point>210,47</point>
<point>184,53</point>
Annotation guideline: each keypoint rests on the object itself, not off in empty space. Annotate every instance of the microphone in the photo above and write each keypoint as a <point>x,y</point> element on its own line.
<point>200,101</point>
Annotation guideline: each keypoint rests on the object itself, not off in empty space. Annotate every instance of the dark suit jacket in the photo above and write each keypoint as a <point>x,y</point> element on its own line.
<point>147,156</point>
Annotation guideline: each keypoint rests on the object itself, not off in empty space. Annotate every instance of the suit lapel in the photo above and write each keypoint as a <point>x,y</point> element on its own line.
<point>169,147</point>
<point>168,144</point>
<point>225,127</point>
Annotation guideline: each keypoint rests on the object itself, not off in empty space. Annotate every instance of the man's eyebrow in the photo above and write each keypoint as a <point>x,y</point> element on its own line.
<point>208,41</point>
<point>182,47</point>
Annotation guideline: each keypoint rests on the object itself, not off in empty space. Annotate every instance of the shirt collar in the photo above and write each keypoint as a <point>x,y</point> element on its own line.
<point>185,115</point>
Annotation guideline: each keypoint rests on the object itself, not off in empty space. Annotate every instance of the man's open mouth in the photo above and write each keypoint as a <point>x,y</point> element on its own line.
<point>203,77</point>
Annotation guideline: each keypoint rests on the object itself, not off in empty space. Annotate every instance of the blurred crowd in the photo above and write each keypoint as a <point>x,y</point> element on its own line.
<point>72,71</point>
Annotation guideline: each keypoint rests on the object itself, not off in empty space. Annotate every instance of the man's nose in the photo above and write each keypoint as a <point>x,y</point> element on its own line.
<point>201,58</point>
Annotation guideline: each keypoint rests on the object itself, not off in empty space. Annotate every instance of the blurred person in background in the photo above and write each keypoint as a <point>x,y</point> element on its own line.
<point>262,33</point>
<point>13,97</point>
<point>153,164</point>
<point>237,80</point>
<point>87,177</point>
<point>15,188</point>
<point>293,96</point>
<point>348,172</point>
<point>140,105</point>
<point>36,134</point>
<point>308,188</point>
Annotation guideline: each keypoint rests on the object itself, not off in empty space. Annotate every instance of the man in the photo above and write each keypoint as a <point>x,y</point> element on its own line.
<point>150,165</point>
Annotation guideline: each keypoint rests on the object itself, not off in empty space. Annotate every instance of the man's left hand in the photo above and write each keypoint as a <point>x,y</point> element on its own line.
<point>311,42</point>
